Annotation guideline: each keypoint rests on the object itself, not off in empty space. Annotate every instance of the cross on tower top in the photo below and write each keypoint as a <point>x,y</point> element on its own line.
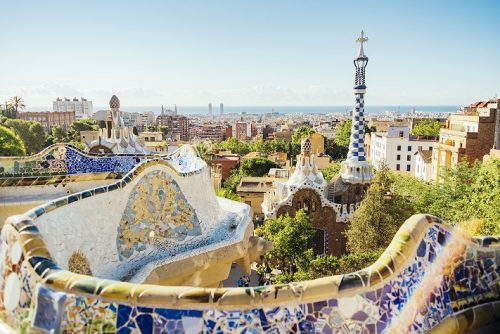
<point>362,39</point>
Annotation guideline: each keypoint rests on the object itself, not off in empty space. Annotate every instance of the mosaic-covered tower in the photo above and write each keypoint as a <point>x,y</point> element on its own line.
<point>356,169</point>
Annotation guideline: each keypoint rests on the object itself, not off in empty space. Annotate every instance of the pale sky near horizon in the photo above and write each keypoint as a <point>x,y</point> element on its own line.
<point>249,53</point>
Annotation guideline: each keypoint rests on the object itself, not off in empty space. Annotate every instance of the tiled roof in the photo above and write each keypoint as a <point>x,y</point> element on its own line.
<point>426,155</point>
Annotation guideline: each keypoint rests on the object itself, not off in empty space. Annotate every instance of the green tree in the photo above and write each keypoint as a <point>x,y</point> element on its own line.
<point>10,143</point>
<point>228,193</point>
<point>151,128</point>
<point>232,181</point>
<point>235,146</point>
<point>381,213</point>
<point>31,133</point>
<point>7,111</point>
<point>164,131</point>
<point>331,171</point>
<point>467,196</point>
<point>82,125</point>
<point>321,266</point>
<point>17,104</point>
<point>59,134</point>
<point>300,133</point>
<point>205,151</point>
<point>279,145</point>
<point>257,166</point>
<point>293,239</point>
<point>343,134</point>
<point>426,128</point>
<point>261,146</point>
<point>335,151</point>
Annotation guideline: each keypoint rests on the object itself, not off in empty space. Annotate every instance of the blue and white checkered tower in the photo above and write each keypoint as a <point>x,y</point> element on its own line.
<point>356,168</point>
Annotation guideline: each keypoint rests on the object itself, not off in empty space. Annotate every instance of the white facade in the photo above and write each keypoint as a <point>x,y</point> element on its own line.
<point>396,148</point>
<point>423,165</point>
<point>82,107</point>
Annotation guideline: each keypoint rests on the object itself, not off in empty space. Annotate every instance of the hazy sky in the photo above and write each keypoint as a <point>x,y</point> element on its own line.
<point>249,52</point>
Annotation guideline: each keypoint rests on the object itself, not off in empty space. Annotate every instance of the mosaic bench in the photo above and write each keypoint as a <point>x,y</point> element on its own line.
<point>61,163</point>
<point>430,278</point>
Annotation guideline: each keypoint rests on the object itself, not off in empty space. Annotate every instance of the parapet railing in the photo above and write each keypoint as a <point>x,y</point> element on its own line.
<point>60,162</point>
<point>428,266</point>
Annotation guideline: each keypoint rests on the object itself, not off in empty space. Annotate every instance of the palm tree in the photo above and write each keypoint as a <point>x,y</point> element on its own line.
<point>205,151</point>
<point>17,103</point>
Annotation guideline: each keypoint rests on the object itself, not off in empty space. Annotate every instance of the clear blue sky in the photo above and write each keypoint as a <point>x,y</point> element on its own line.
<point>249,52</point>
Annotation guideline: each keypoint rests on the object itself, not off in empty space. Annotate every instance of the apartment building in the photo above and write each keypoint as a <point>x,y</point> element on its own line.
<point>469,135</point>
<point>396,148</point>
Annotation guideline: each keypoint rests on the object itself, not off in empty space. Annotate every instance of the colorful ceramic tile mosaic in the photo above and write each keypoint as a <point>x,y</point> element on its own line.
<point>63,160</point>
<point>373,300</point>
<point>157,211</point>
<point>429,274</point>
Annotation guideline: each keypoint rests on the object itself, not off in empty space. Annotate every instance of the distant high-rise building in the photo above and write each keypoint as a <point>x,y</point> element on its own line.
<point>82,108</point>
<point>221,108</point>
<point>210,109</point>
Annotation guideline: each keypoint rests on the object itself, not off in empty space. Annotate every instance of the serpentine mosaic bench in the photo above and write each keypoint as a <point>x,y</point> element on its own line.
<point>61,163</point>
<point>431,277</point>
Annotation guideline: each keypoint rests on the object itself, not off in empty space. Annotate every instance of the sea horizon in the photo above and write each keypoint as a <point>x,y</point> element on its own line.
<point>228,110</point>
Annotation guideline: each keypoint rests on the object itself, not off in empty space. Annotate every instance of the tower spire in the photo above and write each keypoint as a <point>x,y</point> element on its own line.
<point>355,169</point>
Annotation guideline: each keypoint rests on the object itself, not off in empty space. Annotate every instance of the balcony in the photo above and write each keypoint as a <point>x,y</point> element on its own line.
<point>449,147</point>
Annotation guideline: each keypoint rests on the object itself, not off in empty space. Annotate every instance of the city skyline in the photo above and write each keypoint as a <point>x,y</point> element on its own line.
<point>258,54</point>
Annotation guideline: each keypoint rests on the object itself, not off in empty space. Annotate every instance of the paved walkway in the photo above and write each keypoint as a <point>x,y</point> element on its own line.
<point>236,273</point>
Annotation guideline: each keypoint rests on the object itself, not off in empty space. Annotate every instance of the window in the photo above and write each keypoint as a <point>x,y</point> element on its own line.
<point>398,157</point>
<point>401,133</point>
<point>408,157</point>
<point>398,167</point>
<point>420,148</point>
<point>409,148</point>
<point>408,168</point>
<point>399,147</point>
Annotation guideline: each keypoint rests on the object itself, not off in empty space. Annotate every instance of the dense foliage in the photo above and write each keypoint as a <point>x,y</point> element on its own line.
<point>467,194</point>
<point>335,151</point>
<point>10,143</point>
<point>332,170</point>
<point>426,128</point>
<point>31,133</point>
<point>469,197</point>
<point>292,238</point>
<point>300,133</point>
<point>228,193</point>
<point>293,256</point>
<point>379,216</point>
<point>257,166</point>
<point>82,125</point>
<point>264,147</point>
<point>205,151</point>
<point>343,133</point>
